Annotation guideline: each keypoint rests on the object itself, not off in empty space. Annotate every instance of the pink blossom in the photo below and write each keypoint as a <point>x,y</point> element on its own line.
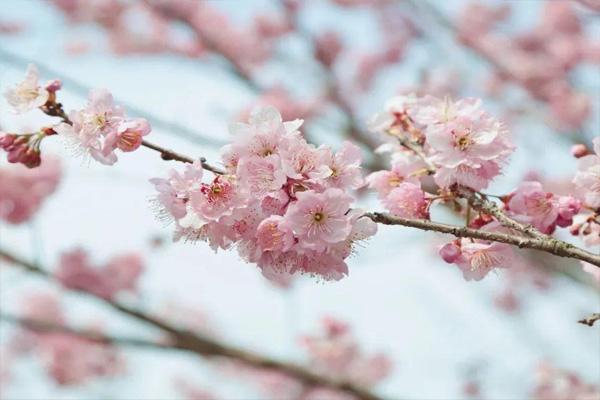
<point>68,359</point>
<point>319,218</point>
<point>101,127</point>
<point>407,201</point>
<point>403,170</point>
<point>28,94</point>
<point>532,205</point>
<point>588,176</point>
<point>217,199</point>
<point>261,176</point>
<point>344,166</point>
<point>477,258</point>
<point>328,46</point>
<point>23,190</point>
<point>273,235</point>
<point>175,191</point>
<point>283,203</point>
<point>121,274</point>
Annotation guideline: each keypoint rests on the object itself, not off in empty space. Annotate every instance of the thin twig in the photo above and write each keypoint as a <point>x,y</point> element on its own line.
<point>48,327</point>
<point>168,155</point>
<point>554,246</point>
<point>590,320</point>
<point>208,347</point>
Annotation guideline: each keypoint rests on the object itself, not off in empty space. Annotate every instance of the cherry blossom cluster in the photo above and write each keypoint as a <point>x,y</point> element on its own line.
<point>96,130</point>
<point>282,202</point>
<point>540,60</point>
<point>23,190</point>
<point>120,274</point>
<point>68,359</point>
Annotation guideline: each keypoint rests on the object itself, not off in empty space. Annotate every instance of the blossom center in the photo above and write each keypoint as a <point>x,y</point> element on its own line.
<point>318,216</point>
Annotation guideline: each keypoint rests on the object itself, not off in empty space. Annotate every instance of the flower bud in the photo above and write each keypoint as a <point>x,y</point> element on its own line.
<point>579,150</point>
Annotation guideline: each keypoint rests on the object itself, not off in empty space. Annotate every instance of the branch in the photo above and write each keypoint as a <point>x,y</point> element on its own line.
<point>168,155</point>
<point>208,347</point>
<point>553,246</point>
<point>47,327</point>
<point>589,320</point>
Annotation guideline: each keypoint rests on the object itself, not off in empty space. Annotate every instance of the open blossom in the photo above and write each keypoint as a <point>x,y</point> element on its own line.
<point>407,201</point>
<point>101,127</point>
<point>588,176</point>
<point>319,218</point>
<point>463,143</point>
<point>283,203</point>
<point>28,94</point>
<point>477,258</point>
<point>23,190</point>
<point>403,170</point>
<point>544,210</point>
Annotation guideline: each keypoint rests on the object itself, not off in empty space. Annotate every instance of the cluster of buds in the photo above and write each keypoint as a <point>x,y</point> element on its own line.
<point>24,148</point>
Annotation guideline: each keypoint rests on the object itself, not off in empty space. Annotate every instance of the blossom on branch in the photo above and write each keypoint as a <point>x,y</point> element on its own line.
<point>283,203</point>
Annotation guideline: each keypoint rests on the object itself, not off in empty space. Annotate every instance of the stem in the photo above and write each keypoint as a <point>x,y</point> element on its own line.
<point>590,320</point>
<point>169,155</point>
<point>553,246</point>
<point>206,346</point>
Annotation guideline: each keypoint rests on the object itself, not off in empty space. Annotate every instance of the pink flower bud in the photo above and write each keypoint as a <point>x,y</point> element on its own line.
<point>450,252</point>
<point>579,150</point>
<point>7,139</point>
<point>53,86</point>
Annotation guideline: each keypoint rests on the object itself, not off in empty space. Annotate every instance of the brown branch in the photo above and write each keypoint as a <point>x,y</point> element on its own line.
<point>48,327</point>
<point>590,320</point>
<point>169,155</point>
<point>554,246</point>
<point>208,347</point>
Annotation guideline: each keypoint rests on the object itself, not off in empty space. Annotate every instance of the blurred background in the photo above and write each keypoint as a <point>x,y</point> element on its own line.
<point>191,68</point>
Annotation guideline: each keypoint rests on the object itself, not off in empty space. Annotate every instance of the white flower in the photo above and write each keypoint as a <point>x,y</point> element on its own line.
<point>28,94</point>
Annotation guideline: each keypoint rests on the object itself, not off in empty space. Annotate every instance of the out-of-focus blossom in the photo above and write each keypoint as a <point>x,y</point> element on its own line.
<point>556,384</point>
<point>588,176</point>
<point>23,190</point>
<point>120,274</point>
<point>68,359</point>
<point>593,270</point>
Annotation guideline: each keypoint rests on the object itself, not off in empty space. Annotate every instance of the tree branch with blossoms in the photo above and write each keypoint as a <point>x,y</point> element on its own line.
<point>181,339</point>
<point>286,204</point>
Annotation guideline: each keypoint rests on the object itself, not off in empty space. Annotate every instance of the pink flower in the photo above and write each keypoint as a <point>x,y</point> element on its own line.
<point>403,170</point>
<point>28,94</point>
<point>302,160</point>
<point>261,176</point>
<point>23,190</point>
<point>555,384</point>
<point>588,176</point>
<point>121,274</point>
<point>345,167</point>
<point>128,136</point>
<point>477,259</point>
<point>394,109</point>
<point>175,192</point>
<point>217,199</point>
<point>319,218</point>
<point>407,201</point>
<point>101,127</point>
<point>532,205</point>
<point>273,235</point>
